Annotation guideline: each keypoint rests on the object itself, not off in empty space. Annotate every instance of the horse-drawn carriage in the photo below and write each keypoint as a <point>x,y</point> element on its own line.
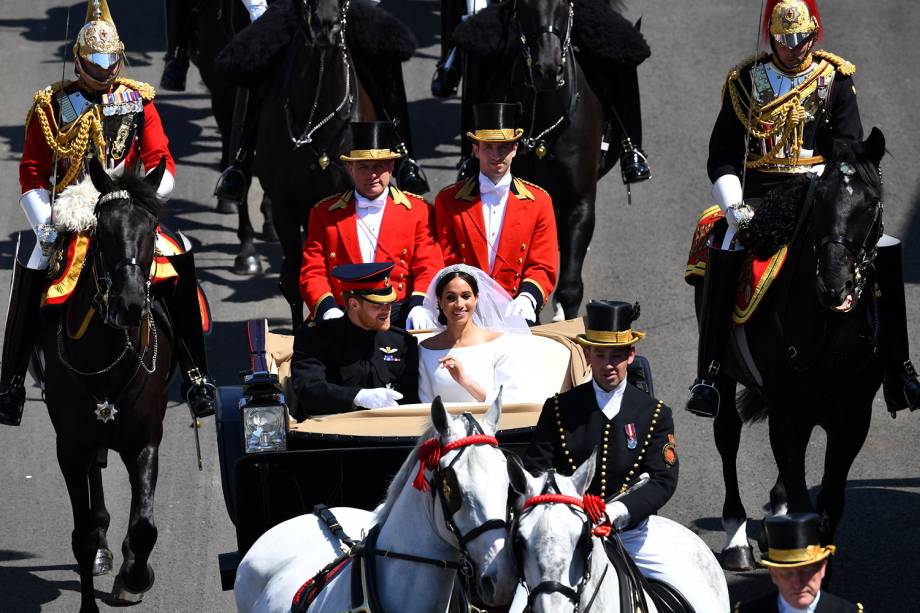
<point>273,468</point>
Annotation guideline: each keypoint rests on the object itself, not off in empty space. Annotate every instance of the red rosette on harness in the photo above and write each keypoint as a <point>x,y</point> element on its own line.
<point>431,451</point>
<point>597,513</point>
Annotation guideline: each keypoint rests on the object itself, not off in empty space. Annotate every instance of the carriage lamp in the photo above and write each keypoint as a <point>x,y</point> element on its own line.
<point>265,427</point>
<point>263,412</point>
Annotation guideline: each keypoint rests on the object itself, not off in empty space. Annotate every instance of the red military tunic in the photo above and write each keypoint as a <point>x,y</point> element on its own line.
<point>527,253</point>
<point>125,125</point>
<point>405,239</point>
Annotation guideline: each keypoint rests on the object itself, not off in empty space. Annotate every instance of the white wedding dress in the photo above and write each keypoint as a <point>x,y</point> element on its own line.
<point>490,365</point>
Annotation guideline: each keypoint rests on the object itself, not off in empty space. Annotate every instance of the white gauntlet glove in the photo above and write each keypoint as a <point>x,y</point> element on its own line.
<point>255,8</point>
<point>525,306</point>
<point>419,319</point>
<point>618,514</point>
<point>333,313</point>
<point>730,198</point>
<point>377,398</point>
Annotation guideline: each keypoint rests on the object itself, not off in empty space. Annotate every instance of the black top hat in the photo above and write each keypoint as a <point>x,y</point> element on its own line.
<point>496,122</point>
<point>369,281</point>
<point>371,140</point>
<point>609,324</point>
<point>793,540</point>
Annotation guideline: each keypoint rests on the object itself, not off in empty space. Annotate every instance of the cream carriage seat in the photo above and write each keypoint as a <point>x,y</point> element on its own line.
<point>555,362</point>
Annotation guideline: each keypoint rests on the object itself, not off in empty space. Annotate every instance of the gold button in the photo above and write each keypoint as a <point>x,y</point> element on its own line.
<point>404,251</point>
<point>400,286</point>
<point>332,255</point>
<point>514,289</point>
<point>463,245</point>
<point>636,465</point>
<point>517,275</point>
<point>520,260</point>
<point>402,275</point>
<point>523,246</point>
<point>402,262</point>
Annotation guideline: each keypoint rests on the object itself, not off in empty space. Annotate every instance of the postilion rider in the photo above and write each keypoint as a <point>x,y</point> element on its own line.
<point>633,435</point>
<point>497,222</point>
<point>797,562</point>
<point>779,101</point>
<point>114,119</point>
<point>376,222</point>
<point>359,361</point>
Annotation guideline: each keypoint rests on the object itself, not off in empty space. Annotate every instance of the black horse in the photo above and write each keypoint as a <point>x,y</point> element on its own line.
<point>212,23</point>
<point>808,355</point>
<point>566,115</point>
<point>303,128</point>
<point>108,356</point>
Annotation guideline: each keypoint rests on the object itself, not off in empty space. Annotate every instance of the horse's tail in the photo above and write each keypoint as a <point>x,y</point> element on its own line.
<point>751,405</point>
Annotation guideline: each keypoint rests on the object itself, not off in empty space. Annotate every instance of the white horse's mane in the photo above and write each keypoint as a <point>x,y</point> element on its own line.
<point>406,472</point>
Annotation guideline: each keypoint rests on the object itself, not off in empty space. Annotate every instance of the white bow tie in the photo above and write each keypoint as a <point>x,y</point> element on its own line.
<point>370,205</point>
<point>495,189</point>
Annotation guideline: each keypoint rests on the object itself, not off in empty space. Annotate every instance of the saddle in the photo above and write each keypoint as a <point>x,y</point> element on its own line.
<point>632,583</point>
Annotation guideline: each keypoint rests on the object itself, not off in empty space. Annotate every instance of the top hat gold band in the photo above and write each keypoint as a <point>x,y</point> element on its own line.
<point>371,154</point>
<point>608,336</point>
<point>505,134</point>
<point>807,554</point>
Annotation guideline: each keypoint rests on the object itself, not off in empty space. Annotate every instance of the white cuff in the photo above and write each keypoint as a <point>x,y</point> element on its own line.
<point>36,204</point>
<point>618,514</point>
<point>167,183</point>
<point>727,191</point>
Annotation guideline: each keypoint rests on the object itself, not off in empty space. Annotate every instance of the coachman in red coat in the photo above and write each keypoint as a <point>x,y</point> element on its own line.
<point>375,222</point>
<point>497,222</point>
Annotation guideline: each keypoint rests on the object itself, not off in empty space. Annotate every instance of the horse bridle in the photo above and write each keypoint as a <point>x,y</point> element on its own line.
<point>565,39</point>
<point>444,487</point>
<point>864,253</point>
<point>551,494</point>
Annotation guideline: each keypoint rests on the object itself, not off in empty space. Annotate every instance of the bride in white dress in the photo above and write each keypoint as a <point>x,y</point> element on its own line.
<point>474,355</point>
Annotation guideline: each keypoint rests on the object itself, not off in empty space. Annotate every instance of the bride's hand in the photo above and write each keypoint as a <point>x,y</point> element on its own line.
<point>455,368</point>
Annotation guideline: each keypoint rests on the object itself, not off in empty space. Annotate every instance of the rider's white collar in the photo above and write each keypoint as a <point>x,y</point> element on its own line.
<point>609,402</point>
<point>486,185</point>
<point>785,607</point>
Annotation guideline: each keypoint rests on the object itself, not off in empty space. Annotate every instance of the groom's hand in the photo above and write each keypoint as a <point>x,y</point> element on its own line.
<point>377,398</point>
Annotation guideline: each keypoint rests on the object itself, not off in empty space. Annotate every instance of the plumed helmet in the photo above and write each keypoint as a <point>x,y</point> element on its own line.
<point>791,22</point>
<point>98,49</point>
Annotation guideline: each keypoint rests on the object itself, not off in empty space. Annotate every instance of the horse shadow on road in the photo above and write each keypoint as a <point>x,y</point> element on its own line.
<point>25,591</point>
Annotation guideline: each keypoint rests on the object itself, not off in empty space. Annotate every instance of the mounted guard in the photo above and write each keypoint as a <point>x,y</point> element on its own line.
<point>113,119</point>
<point>765,137</point>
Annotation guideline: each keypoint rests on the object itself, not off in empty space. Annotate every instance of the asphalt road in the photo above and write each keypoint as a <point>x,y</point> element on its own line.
<point>639,254</point>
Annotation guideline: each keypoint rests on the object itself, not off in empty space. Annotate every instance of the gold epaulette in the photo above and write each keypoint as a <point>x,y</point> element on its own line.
<point>341,200</point>
<point>466,190</point>
<point>532,184</point>
<point>847,69</point>
<point>419,196</point>
<point>735,73</point>
<point>147,91</point>
<point>399,197</point>
<point>43,98</point>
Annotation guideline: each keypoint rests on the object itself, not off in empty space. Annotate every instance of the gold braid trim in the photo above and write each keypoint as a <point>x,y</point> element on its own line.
<point>147,91</point>
<point>71,142</point>
<point>847,69</point>
<point>783,118</point>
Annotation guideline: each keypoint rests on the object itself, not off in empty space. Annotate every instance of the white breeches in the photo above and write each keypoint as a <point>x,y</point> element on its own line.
<point>255,8</point>
<point>36,204</point>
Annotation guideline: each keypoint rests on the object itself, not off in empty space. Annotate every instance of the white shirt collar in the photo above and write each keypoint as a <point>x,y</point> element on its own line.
<point>785,607</point>
<point>609,402</point>
<point>486,186</point>
<point>364,203</point>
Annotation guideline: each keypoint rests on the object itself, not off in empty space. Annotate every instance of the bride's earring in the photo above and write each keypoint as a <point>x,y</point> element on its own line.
<point>441,319</point>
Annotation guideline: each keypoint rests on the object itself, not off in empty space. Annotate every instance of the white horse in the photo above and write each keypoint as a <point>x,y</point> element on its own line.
<point>459,523</point>
<point>556,545</point>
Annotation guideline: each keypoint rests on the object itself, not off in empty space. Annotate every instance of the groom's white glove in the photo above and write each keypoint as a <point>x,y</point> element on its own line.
<point>333,313</point>
<point>377,398</point>
<point>618,514</point>
<point>525,306</point>
<point>417,319</point>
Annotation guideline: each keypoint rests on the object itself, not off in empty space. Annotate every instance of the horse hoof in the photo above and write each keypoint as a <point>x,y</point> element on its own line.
<point>227,207</point>
<point>738,559</point>
<point>268,233</point>
<point>247,265</point>
<point>102,565</point>
<point>123,595</point>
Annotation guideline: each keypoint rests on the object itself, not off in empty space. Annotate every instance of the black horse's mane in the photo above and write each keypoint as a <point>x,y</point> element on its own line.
<point>142,193</point>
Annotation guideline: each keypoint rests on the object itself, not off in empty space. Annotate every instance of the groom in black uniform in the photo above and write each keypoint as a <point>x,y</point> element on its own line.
<point>358,361</point>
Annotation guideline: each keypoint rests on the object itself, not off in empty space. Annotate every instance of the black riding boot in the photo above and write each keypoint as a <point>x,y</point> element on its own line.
<point>178,14</point>
<point>627,109</point>
<point>21,330</point>
<point>447,75</point>
<point>234,181</point>
<point>719,291</point>
<point>901,387</point>
<point>185,314</point>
